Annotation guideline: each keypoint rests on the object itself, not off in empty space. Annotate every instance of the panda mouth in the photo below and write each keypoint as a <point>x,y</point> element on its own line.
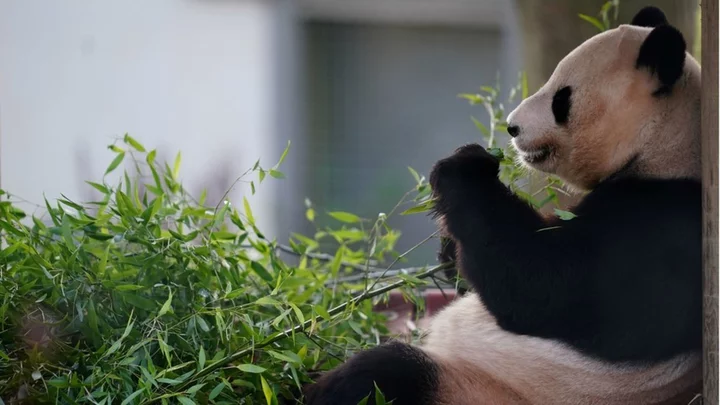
<point>537,156</point>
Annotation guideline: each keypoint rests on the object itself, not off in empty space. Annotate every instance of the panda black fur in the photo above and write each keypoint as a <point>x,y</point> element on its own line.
<point>602,309</point>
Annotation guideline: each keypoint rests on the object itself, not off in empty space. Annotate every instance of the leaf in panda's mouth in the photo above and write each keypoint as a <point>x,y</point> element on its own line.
<point>537,156</point>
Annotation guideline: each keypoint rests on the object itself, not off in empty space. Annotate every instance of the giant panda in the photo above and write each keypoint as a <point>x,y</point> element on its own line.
<point>602,309</point>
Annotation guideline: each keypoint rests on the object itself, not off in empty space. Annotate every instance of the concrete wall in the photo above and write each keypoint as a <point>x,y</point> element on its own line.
<point>189,75</point>
<point>381,95</point>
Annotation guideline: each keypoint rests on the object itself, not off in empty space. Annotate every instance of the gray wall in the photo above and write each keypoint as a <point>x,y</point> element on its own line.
<point>379,98</point>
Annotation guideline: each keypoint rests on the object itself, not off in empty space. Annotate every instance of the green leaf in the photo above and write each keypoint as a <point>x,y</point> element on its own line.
<point>115,163</point>
<point>203,197</point>
<point>283,156</point>
<point>248,211</point>
<point>11,229</point>
<point>150,158</point>
<point>195,388</point>
<point>365,400</point>
<point>135,144</point>
<point>168,381</point>
<point>269,394</point>
<point>415,175</point>
<point>235,293</point>
<point>201,358</point>
<point>280,318</point>
<point>594,21</point>
<point>420,208</point>
<point>67,233</point>
<point>481,127</point>
<point>298,312</point>
<point>92,317</point>
<point>184,238</point>
<point>59,382</point>
<point>99,236</point>
<point>251,368</point>
<point>356,327</point>
<point>154,208</point>
<point>473,98</point>
<point>128,287</point>
<point>203,325</point>
<point>564,215</point>
<point>185,400</point>
<point>140,302</point>
<point>176,166</point>
<point>277,174</point>
<point>167,306</point>
<point>289,357</point>
<point>99,187</point>
<point>132,396</point>
<point>345,217</point>
<point>266,301</point>
<point>260,271</point>
<point>497,152</point>
<point>115,346</point>
<point>320,310</point>
<point>164,348</point>
<point>379,397</point>
<point>216,391</point>
<point>337,261</point>
<point>70,204</point>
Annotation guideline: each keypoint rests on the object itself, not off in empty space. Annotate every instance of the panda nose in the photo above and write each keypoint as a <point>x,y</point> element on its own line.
<point>513,130</point>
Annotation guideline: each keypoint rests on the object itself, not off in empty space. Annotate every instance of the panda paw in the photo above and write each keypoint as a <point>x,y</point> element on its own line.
<point>469,165</point>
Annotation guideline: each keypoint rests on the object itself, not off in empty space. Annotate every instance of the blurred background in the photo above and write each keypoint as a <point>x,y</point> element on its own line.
<point>362,88</point>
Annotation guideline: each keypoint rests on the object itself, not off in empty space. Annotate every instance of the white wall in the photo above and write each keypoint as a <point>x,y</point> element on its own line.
<point>189,75</point>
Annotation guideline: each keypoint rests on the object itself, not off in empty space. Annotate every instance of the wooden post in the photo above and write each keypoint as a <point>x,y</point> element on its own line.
<point>709,122</point>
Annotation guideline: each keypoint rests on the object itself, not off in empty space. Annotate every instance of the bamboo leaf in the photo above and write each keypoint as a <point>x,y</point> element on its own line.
<point>594,21</point>
<point>115,163</point>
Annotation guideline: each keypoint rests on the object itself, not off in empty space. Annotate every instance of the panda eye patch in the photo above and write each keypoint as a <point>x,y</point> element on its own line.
<point>561,105</point>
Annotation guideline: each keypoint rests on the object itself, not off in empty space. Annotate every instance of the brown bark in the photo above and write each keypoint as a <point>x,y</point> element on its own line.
<point>552,28</point>
<point>709,125</point>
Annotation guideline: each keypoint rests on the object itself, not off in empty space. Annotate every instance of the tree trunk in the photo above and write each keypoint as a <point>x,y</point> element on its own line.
<point>552,28</point>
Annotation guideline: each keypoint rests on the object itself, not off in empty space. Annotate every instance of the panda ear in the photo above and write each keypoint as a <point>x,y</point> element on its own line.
<point>663,54</point>
<point>650,17</point>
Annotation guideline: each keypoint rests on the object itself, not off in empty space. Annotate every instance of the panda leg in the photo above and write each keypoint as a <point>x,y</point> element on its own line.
<point>402,372</point>
<point>475,204</point>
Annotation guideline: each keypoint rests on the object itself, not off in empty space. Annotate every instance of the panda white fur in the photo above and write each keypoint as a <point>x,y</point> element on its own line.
<point>602,309</point>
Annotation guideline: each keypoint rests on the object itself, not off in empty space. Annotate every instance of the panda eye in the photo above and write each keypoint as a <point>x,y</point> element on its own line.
<point>561,105</point>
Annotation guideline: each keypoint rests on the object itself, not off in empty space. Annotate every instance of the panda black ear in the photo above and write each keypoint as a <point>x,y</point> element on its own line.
<point>650,17</point>
<point>663,54</point>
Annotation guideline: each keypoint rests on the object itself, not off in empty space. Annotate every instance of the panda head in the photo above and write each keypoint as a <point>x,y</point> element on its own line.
<point>627,98</point>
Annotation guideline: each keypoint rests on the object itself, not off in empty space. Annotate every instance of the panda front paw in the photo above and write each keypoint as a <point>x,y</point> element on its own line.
<point>466,167</point>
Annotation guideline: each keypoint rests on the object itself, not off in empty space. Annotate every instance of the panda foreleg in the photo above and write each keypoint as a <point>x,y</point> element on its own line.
<point>474,203</point>
<point>402,372</point>
<point>500,251</point>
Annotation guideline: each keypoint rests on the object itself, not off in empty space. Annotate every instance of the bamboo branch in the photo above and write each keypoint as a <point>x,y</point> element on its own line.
<point>324,257</point>
<point>299,328</point>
